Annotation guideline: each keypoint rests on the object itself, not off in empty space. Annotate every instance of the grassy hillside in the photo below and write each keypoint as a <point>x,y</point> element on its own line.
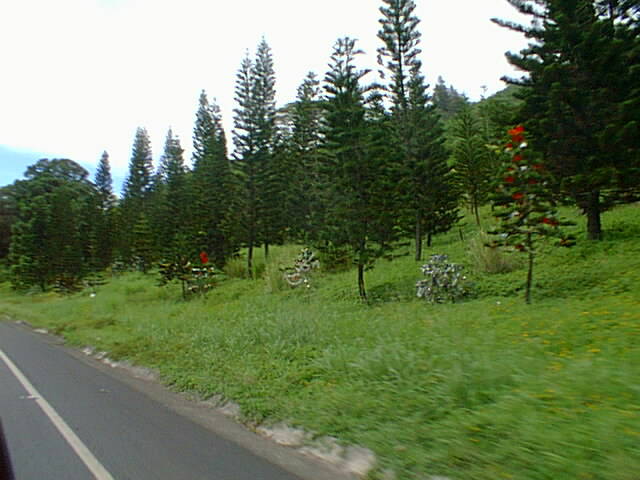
<point>485,389</point>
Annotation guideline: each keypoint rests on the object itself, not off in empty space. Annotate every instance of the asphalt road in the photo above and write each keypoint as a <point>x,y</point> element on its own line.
<point>68,417</point>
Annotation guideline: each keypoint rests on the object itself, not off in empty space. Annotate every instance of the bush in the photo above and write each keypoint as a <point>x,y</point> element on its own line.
<point>300,273</point>
<point>444,283</point>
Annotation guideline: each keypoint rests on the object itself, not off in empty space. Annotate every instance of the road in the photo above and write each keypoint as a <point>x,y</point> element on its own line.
<point>67,416</point>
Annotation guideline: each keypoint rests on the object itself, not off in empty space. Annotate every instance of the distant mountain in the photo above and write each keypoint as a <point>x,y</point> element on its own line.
<point>13,163</point>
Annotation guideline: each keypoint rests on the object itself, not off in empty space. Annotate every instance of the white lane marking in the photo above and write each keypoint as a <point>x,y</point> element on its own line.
<point>92,463</point>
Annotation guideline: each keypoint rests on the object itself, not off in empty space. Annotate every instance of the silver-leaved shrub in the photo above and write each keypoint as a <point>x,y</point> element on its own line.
<point>443,282</point>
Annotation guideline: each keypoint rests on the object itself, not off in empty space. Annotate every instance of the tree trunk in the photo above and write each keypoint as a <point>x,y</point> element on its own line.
<point>476,211</point>
<point>530,272</point>
<point>593,211</point>
<point>418,237</point>
<point>361,287</point>
<point>250,260</point>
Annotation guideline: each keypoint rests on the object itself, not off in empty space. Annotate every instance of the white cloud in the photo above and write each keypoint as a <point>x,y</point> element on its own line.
<point>81,75</point>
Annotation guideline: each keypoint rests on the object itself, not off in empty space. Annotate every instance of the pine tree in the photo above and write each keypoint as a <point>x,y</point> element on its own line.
<point>104,232</point>
<point>139,181</point>
<point>473,171</point>
<point>246,161</point>
<point>578,105</point>
<point>358,215</point>
<point>424,176</point>
<point>214,188</point>
<point>269,178</point>
<point>308,183</point>
<point>259,208</point>
<point>170,208</point>
<point>136,192</point>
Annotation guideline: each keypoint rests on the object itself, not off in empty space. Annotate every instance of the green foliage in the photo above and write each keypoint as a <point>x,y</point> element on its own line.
<point>445,281</point>
<point>52,233</point>
<point>524,204</point>
<point>361,213</point>
<point>448,100</point>
<point>472,170</point>
<point>194,279</point>
<point>212,185</point>
<point>461,390</point>
<point>580,62</point>
<point>430,203</point>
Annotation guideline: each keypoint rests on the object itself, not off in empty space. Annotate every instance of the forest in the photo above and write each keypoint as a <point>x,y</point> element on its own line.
<point>353,167</point>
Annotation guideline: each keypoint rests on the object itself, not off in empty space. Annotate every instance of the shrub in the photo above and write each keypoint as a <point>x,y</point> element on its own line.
<point>444,283</point>
<point>300,273</point>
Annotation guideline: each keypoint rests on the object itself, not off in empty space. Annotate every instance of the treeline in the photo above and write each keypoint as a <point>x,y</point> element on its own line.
<point>352,166</point>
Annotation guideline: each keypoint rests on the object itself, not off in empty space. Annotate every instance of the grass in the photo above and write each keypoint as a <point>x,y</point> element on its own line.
<point>489,388</point>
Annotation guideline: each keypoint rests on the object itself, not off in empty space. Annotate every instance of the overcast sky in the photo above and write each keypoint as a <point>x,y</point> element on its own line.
<point>79,76</point>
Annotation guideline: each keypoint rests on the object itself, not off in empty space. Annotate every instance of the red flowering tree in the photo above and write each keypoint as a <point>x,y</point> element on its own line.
<point>523,203</point>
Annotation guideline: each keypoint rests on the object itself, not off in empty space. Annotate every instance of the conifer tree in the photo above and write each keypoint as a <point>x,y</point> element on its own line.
<point>473,171</point>
<point>259,208</point>
<point>246,167</point>
<point>105,233</point>
<point>578,105</point>
<point>270,181</point>
<point>308,183</point>
<point>358,215</point>
<point>448,100</point>
<point>171,209</point>
<point>214,188</point>
<point>136,192</point>
<point>424,176</point>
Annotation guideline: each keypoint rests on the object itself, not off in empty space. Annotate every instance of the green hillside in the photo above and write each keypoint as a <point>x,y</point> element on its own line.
<point>487,388</point>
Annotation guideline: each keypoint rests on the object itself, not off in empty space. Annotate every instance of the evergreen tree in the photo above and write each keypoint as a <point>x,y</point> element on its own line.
<point>358,215</point>
<point>270,181</point>
<point>139,180</point>
<point>104,225</point>
<point>448,100</point>
<point>136,192</point>
<point>49,243</point>
<point>246,166</point>
<point>472,164</point>
<point>213,184</point>
<point>524,204</point>
<point>8,215</point>
<point>259,207</point>
<point>308,183</point>
<point>424,178</point>
<point>582,114</point>
<point>171,209</point>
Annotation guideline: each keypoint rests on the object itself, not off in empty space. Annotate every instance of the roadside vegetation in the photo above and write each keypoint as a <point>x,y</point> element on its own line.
<point>485,388</point>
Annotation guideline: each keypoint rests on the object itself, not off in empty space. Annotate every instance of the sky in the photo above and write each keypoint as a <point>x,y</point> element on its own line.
<point>79,76</point>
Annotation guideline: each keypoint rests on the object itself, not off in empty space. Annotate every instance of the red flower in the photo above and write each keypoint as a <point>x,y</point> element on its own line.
<point>537,166</point>
<point>532,181</point>
<point>517,158</point>
<point>509,145</point>
<point>550,221</point>
<point>204,258</point>
<point>510,179</point>
<point>517,134</point>
<point>518,196</point>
